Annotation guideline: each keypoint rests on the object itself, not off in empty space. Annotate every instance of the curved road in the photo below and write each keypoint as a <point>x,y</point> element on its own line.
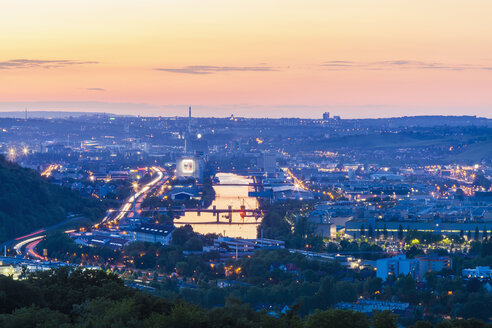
<point>19,240</point>
<point>30,241</point>
<point>31,249</point>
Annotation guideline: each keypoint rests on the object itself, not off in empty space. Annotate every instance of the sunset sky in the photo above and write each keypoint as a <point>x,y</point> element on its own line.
<point>257,58</point>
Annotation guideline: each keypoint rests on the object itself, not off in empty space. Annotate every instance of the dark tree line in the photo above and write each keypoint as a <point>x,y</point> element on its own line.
<point>88,298</point>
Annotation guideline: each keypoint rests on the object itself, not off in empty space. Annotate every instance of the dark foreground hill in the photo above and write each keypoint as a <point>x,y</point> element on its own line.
<point>28,202</point>
<point>88,298</point>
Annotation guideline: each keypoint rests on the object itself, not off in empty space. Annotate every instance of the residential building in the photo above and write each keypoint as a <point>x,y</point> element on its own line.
<point>154,233</point>
<point>395,266</point>
<point>480,272</point>
<point>433,263</point>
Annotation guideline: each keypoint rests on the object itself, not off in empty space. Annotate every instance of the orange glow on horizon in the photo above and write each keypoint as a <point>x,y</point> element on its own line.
<point>294,58</point>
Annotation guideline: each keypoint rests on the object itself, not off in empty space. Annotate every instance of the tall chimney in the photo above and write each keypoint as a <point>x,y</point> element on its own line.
<point>189,120</point>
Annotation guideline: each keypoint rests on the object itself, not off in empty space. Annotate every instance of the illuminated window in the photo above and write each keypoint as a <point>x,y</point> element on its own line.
<point>187,166</point>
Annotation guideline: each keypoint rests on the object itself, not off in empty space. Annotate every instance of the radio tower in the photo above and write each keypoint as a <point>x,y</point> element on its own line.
<point>189,120</point>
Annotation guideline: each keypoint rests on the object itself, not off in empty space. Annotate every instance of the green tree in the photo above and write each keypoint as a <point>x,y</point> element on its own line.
<point>345,291</point>
<point>337,319</point>
<point>34,316</point>
<point>384,319</point>
<point>422,324</point>
<point>327,292</point>
<point>400,232</point>
<point>370,232</point>
<point>372,285</point>
<point>182,315</point>
<point>181,235</point>
<point>405,289</point>
<point>193,244</point>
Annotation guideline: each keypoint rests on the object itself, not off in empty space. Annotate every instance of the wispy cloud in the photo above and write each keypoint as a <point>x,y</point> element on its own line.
<point>95,89</point>
<point>205,69</point>
<point>38,63</point>
<point>399,64</point>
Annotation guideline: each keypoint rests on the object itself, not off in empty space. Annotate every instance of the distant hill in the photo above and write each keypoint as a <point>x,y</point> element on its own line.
<point>424,121</point>
<point>52,114</point>
<point>471,145</point>
<point>28,202</point>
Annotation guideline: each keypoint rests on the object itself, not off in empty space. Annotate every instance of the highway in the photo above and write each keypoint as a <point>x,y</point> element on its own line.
<point>31,249</point>
<point>21,240</point>
<point>19,245</point>
<point>49,170</point>
<point>29,242</point>
<point>127,207</point>
<point>297,183</point>
<point>300,184</point>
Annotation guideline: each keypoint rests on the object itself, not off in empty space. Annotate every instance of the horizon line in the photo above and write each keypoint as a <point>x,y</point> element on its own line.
<point>23,113</point>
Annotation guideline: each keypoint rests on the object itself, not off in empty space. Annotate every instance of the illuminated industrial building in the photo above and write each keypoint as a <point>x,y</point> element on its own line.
<point>189,166</point>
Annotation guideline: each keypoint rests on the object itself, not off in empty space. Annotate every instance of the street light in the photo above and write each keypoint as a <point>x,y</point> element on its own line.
<point>11,154</point>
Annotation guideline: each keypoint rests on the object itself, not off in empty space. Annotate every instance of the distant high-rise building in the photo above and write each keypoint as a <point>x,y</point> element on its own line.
<point>269,163</point>
<point>352,174</point>
<point>326,116</point>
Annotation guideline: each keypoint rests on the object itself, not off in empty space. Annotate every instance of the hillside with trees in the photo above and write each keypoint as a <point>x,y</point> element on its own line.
<point>90,298</point>
<point>28,202</point>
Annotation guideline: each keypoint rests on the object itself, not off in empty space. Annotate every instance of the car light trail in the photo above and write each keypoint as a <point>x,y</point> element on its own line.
<point>21,244</point>
<point>29,235</point>
<point>47,173</point>
<point>30,249</point>
<point>127,206</point>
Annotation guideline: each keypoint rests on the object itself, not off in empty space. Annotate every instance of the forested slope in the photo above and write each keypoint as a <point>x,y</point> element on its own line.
<point>87,298</point>
<point>29,202</point>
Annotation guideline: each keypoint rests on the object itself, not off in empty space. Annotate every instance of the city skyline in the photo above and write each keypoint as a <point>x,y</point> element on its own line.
<point>262,163</point>
<point>356,59</point>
